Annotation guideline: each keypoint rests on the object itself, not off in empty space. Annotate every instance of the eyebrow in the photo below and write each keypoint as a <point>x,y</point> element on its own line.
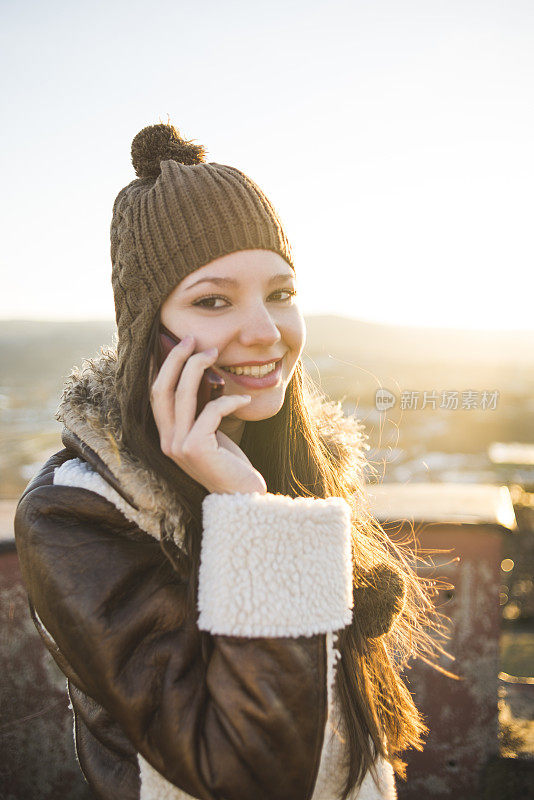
<point>232,282</point>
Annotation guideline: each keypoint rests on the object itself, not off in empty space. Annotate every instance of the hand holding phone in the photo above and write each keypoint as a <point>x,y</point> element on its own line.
<point>196,445</point>
<point>211,385</point>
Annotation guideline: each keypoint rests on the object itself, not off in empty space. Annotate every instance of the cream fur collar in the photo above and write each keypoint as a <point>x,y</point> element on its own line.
<point>89,409</point>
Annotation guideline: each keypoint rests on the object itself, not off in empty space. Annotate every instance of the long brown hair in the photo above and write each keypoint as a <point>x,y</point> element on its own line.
<point>295,455</point>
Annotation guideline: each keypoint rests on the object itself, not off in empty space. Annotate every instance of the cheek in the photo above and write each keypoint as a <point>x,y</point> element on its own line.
<point>294,333</point>
<point>183,322</point>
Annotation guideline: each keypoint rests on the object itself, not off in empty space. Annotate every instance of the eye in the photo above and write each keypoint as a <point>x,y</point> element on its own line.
<point>202,303</point>
<point>290,292</point>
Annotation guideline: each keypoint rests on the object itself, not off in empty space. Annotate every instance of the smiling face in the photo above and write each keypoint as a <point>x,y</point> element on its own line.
<point>242,303</point>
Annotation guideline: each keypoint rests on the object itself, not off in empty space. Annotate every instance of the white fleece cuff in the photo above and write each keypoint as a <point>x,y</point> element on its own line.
<point>274,565</point>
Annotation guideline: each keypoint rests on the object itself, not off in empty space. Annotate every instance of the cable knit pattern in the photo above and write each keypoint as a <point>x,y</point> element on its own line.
<point>274,565</point>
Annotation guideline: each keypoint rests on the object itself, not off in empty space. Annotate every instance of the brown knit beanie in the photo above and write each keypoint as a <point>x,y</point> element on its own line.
<point>178,215</point>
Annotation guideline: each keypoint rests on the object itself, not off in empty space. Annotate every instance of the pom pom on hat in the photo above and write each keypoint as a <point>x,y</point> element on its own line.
<point>162,142</point>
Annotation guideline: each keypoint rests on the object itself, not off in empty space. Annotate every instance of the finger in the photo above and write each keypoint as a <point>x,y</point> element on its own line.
<point>211,416</point>
<point>170,370</point>
<point>186,393</point>
<point>163,387</point>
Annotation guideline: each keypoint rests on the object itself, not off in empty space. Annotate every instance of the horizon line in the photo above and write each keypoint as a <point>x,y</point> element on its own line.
<point>408,325</point>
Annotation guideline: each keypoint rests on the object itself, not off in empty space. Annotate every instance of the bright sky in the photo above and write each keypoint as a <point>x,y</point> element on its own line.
<point>395,138</point>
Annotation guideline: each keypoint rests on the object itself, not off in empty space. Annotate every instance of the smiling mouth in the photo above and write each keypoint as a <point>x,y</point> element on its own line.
<point>256,379</point>
<point>254,371</point>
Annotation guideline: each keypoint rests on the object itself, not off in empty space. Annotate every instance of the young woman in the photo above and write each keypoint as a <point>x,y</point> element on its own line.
<point>231,620</point>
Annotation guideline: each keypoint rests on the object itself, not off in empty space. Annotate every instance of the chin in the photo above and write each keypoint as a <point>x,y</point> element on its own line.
<point>260,408</point>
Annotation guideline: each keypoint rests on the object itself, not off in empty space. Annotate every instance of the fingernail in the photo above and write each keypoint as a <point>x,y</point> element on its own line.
<point>186,340</point>
<point>211,351</point>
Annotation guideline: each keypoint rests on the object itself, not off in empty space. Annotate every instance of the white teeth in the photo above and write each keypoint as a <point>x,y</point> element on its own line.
<point>256,372</point>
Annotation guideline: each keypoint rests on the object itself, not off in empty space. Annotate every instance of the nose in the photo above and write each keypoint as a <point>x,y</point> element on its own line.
<point>258,328</point>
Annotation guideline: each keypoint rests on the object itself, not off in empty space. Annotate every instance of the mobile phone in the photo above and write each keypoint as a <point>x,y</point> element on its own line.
<point>211,386</point>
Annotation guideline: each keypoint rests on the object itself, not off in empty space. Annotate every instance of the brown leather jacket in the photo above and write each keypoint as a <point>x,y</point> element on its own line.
<point>157,714</point>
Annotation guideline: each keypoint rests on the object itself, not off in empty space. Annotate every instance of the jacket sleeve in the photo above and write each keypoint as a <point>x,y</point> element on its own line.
<point>246,720</point>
